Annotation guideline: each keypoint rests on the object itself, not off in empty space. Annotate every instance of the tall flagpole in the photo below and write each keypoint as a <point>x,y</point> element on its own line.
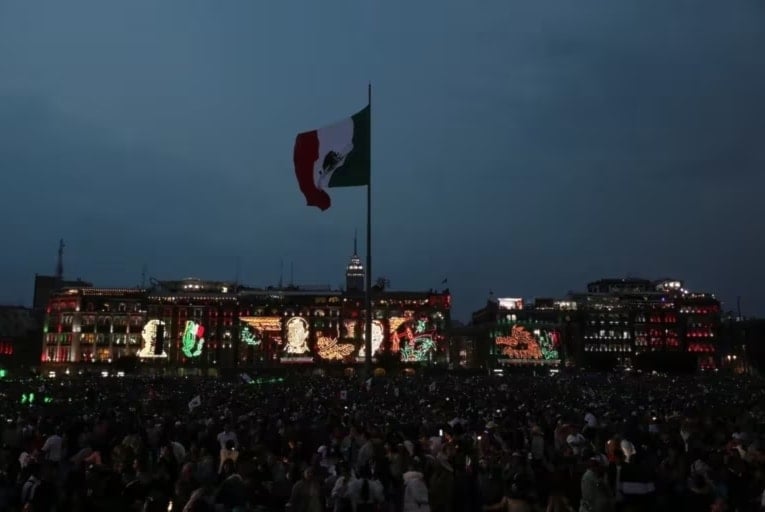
<point>368,275</point>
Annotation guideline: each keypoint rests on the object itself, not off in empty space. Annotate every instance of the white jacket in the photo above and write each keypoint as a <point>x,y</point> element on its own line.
<point>415,492</point>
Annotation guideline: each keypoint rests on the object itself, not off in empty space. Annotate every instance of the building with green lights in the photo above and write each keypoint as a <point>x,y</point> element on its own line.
<point>208,324</point>
<point>616,322</point>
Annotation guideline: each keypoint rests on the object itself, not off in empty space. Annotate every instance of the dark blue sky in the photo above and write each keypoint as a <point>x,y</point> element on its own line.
<point>520,147</point>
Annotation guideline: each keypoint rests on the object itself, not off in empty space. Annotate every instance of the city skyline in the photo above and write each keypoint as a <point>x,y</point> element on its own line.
<point>525,149</point>
<point>354,281</point>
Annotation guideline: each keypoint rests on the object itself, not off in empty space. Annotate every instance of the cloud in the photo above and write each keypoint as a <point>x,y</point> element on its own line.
<point>522,146</point>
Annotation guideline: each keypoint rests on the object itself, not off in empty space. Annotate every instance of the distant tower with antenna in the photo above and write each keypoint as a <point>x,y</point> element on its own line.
<point>60,261</point>
<point>354,272</point>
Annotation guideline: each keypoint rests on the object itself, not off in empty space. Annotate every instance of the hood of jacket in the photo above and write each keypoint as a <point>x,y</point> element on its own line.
<point>413,475</point>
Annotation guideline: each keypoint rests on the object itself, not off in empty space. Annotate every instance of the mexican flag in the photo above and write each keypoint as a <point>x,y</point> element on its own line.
<point>334,156</point>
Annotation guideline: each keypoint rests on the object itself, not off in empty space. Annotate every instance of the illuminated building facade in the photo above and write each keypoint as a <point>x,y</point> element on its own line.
<point>630,318</point>
<point>45,285</point>
<point>208,324</point>
<point>93,324</point>
<point>743,344</point>
<point>507,331</point>
<point>616,320</point>
<point>19,345</point>
<point>304,326</point>
<point>699,318</point>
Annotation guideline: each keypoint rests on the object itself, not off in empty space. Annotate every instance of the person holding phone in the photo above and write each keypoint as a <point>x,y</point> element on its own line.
<point>229,452</point>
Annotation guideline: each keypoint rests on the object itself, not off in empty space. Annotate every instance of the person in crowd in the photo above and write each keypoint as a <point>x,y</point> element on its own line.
<point>416,497</point>
<point>228,453</point>
<point>226,435</point>
<point>596,494</point>
<point>53,448</point>
<point>340,500</point>
<point>365,492</point>
<point>232,490</point>
<point>441,484</point>
<point>306,494</point>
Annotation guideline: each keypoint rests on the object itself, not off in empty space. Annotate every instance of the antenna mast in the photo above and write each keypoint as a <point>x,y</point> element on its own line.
<point>281,273</point>
<point>60,261</point>
<point>144,271</point>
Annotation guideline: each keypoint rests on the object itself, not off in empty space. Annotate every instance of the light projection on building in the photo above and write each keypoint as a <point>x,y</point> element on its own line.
<point>415,338</point>
<point>149,339</point>
<point>249,336</point>
<point>193,340</point>
<point>378,337</point>
<point>297,336</point>
<point>350,329</point>
<point>508,303</point>
<point>549,342</point>
<point>328,348</point>
<point>522,344</point>
<point>394,323</point>
<point>254,329</point>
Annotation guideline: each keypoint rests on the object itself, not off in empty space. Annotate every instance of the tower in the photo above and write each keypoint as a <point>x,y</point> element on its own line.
<point>354,273</point>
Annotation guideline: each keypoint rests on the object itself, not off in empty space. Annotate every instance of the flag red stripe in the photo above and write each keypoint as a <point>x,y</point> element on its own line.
<point>305,155</point>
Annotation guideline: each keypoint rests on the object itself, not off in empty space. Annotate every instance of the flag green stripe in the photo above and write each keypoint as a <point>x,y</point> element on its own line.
<point>355,171</point>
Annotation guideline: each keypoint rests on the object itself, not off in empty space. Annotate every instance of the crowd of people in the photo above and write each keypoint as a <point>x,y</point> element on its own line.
<point>448,443</point>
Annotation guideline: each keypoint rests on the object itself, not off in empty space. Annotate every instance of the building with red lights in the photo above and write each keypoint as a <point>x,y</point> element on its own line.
<point>211,324</point>
<point>18,337</point>
<point>617,321</point>
<point>625,319</point>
